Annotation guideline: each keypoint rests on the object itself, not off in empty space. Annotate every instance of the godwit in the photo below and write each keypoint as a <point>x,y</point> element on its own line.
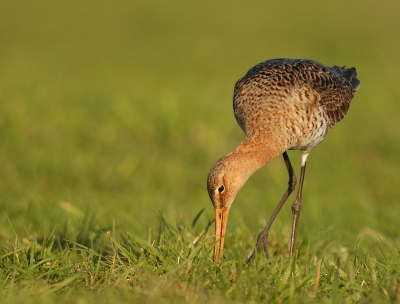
<point>280,104</point>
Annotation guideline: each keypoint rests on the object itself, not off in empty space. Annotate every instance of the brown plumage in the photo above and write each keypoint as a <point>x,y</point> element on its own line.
<point>280,104</point>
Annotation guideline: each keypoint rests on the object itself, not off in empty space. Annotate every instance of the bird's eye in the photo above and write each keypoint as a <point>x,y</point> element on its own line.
<point>221,189</point>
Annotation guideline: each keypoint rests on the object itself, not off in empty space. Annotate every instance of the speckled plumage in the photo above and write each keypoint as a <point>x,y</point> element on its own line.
<point>299,98</point>
<point>280,104</point>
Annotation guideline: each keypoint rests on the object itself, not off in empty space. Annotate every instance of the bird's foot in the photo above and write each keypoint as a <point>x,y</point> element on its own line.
<point>251,258</point>
<point>262,239</point>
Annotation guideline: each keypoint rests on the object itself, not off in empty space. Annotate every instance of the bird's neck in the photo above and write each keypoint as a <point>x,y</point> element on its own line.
<point>253,153</point>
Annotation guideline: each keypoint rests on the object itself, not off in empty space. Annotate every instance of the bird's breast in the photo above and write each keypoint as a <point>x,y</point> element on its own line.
<point>294,123</point>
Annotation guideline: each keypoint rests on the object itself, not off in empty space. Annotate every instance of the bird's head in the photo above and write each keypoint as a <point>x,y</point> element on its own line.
<point>224,182</point>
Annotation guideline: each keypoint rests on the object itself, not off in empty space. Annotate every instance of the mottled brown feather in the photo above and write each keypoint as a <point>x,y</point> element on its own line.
<point>277,78</point>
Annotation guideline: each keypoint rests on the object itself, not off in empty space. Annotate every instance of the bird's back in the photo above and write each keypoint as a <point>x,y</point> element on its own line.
<point>296,99</point>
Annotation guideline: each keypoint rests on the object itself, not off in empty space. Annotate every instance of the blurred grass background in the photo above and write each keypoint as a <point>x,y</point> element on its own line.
<point>115,111</point>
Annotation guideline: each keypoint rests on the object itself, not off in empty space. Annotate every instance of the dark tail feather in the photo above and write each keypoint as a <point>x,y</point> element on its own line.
<point>349,74</point>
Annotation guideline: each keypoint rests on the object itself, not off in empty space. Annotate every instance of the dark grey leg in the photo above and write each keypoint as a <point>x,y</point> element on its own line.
<point>296,208</point>
<point>263,236</point>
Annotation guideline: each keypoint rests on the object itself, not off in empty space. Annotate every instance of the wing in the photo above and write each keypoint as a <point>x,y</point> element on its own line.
<point>336,87</point>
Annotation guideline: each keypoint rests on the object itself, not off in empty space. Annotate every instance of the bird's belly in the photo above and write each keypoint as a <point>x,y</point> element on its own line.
<point>307,133</point>
<point>307,143</point>
<point>309,136</point>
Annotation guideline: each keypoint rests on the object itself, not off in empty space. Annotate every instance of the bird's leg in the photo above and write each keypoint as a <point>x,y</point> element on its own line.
<point>263,236</point>
<point>296,207</point>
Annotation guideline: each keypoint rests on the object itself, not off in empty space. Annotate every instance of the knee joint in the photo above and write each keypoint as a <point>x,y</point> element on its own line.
<point>296,207</point>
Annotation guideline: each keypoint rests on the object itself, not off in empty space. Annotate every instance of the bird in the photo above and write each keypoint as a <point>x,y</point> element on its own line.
<point>281,104</point>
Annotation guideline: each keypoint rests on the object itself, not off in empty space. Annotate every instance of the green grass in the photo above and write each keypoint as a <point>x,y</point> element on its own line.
<point>111,116</point>
<point>174,265</point>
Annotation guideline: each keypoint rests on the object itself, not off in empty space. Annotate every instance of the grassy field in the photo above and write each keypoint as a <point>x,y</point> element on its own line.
<point>112,115</point>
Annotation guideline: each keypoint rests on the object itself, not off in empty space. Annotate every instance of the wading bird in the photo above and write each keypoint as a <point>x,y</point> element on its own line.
<point>280,104</point>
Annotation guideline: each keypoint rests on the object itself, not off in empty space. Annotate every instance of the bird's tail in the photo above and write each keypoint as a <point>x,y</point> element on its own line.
<point>349,74</point>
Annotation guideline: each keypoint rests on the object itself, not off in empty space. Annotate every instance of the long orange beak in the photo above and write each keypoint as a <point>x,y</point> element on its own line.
<point>221,219</point>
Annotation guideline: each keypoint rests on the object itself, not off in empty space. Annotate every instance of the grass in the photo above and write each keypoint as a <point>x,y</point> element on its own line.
<point>174,265</point>
<point>111,116</point>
